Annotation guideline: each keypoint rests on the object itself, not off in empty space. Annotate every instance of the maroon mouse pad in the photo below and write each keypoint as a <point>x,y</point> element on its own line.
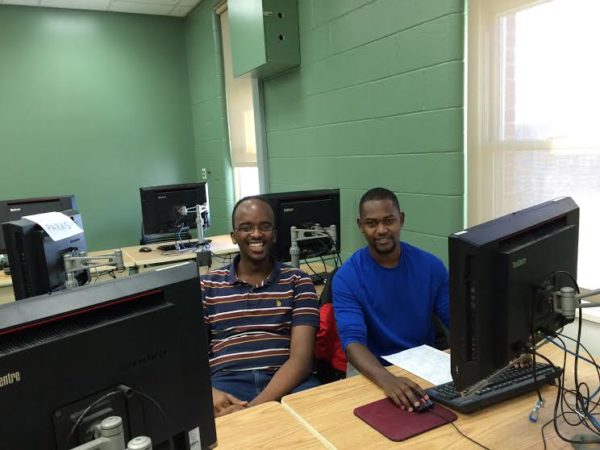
<point>398,424</point>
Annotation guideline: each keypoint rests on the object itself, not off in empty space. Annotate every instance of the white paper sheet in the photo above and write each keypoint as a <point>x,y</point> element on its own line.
<point>56,224</point>
<point>426,362</point>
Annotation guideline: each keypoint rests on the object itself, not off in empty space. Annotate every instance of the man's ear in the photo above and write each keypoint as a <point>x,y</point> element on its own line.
<point>232,235</point>
<point>401,219</point>
<point>274,236</point>
<point>358,224</point>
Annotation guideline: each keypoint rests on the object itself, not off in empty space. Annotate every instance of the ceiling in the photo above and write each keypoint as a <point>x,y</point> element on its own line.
<point>178,8</point>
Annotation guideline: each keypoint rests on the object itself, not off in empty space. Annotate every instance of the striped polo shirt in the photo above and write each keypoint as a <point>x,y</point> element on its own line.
<point>250,326</point>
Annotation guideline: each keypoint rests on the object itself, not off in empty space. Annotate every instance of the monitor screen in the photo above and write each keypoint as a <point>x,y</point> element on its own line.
<point>502,276</point>
<point>36,261</point>
<point>15,209</point>
<point>161,210</point>
<point>134,348</point>
<point>305,210</point>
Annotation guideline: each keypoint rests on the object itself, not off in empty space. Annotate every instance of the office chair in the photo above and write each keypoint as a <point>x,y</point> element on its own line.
<point>330,359</point>
<point>442,334</point>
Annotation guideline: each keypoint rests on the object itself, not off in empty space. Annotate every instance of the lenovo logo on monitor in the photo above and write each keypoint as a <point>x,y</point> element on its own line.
<point>519,262</point>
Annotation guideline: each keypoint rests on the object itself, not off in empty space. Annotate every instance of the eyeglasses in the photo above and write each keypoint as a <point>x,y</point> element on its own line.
<point>249,228</point>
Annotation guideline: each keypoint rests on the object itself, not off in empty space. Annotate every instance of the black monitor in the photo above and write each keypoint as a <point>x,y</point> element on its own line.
<point>161,211</point>
<point>502,276</point>
<point>15,209</point>
<point>36,261</point>
<point>134,348</point>
<point>305,210</point>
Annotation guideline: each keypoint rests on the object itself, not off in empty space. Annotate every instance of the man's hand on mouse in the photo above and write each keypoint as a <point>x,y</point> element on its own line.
<point>403,392</point>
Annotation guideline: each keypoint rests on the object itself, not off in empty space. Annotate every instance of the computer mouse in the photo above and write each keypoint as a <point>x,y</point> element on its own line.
<point>145,249</point>
<point>424,405</point>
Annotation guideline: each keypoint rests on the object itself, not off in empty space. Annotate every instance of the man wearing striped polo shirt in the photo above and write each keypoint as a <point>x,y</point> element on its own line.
<point>262,318</point>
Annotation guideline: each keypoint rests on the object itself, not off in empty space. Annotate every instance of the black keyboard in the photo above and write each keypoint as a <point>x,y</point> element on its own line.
<point>513,382</point>
<point>182,246</point>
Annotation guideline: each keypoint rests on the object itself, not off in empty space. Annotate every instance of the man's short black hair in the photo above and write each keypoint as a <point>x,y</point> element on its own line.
<point>247,199</point>
<point>378,193</point>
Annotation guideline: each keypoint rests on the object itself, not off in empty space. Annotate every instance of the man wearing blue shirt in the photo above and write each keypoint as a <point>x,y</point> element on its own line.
<point>385,297</point>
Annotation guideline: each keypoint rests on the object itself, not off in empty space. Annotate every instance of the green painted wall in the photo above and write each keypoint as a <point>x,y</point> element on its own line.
<point>95,104</point>
<point>98,104</point>
<point>209,113</point>
<point>377,101</point>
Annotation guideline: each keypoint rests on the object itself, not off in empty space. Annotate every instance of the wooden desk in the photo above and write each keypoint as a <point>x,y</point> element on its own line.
<point>264,426</point>
<point>328,410</point>
<point>6,289</point>
<point>219,246</point>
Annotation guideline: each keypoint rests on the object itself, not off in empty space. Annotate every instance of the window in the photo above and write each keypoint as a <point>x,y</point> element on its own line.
<point>239,94</point>
<point>246,181</point>
<point>532,120</point>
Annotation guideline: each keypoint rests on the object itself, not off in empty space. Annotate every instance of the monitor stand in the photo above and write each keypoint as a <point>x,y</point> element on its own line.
<point>110,436</point>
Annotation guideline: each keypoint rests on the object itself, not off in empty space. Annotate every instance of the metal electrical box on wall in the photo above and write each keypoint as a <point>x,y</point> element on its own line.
<point>264,36</point>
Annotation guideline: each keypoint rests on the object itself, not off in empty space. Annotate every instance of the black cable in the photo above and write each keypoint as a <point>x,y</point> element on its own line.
<point>314,271</point>
<point>111,272</point>
<point>592,361</point>
<point>159,408</point>
<point>563,403</point>
<point>534,367</point>
<point>560,398</point>
<point>533,351</point>
<point>457,429</point>
<point>568,274</point>
<point>324,267</point>
<point>86,411</point>
<point>326,249</point>
<point>582,399</point>
<point>121,390</point>
<point>579,410</point>
<point>578,397</point>
<point>154,403</point>
<point>544,426</point>
<point>339,257</point>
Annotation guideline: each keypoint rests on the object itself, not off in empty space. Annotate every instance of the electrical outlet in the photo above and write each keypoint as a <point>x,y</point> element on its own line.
<point>203,173</point>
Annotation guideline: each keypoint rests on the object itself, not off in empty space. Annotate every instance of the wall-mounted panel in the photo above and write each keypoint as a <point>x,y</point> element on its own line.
<point>264,36</point>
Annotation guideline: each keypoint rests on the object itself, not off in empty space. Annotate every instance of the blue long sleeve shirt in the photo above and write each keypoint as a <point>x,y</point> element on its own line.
<point>390,310</point>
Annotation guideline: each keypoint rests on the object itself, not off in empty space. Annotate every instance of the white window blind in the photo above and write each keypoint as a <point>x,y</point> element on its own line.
<point>241,122</point>
<point>533,127</point>
<point>240,109</point>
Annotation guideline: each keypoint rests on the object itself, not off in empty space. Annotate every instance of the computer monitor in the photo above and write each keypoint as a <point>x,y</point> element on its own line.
<point>305,210</point>
<point>15,209</point>
<point>502,277</point>
<point>161,211</point>
<point>36,261</point>
<point>134,347</point>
